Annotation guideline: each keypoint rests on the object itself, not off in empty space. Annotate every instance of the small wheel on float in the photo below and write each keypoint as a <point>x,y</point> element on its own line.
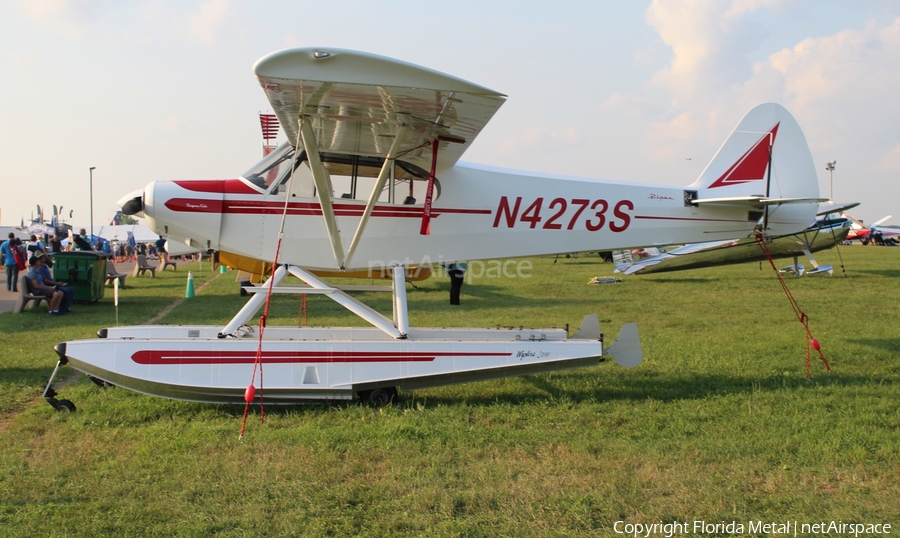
<point>65,406</point>
<point>381,397</point>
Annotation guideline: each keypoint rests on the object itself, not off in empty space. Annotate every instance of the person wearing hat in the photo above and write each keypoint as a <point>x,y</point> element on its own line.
<point>44,270</point>
<point>39,287</point>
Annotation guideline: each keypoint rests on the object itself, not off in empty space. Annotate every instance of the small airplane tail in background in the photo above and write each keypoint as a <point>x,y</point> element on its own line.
<point>775,177</point>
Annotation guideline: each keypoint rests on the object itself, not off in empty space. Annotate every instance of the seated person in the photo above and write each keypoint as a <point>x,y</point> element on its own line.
<point>38,287</point>
<point>44,270</point>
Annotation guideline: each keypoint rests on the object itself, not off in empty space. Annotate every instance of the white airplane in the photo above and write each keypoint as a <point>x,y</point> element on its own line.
<point>397,130</point>
<point>824,233</point>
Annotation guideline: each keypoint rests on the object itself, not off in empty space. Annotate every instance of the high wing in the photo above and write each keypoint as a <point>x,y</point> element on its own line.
<point>357,102</point>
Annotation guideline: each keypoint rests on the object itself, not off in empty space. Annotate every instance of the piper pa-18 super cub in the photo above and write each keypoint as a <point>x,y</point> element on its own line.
<point>397,130</point>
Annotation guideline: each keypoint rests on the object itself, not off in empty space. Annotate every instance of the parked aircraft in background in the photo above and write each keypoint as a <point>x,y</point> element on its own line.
<point>825,233</point>
<point>877,232</point>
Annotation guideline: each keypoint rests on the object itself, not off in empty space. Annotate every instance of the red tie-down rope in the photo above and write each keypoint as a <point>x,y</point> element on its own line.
<point>303,313</point>
<point>801,315</point>
<point>250,391</point>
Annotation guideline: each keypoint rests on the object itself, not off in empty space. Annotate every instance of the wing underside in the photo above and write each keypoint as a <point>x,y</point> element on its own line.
<point>357,103</point>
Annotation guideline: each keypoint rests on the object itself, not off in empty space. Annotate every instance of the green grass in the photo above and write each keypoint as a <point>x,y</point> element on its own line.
<point>718,424</point>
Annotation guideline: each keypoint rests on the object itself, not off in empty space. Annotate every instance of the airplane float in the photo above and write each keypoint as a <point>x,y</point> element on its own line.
<point>824,233</point>
<point>397,130</point>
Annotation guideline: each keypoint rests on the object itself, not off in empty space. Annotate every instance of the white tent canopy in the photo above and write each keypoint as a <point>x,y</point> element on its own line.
<point>4,233</point>
<point>142,233</point>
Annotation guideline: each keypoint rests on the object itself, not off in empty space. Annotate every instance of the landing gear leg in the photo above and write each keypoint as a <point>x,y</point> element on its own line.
<point>50,394</point>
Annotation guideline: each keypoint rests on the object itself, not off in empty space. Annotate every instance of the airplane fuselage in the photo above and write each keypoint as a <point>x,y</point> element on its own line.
<point>481,214</point>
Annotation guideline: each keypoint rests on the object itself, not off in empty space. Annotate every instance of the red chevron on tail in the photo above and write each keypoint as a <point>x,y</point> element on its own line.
<point>752,164</point>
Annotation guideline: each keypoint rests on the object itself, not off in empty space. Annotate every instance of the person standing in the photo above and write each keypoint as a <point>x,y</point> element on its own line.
<point>457,272</point>
<point>81,240</point>
<point>9,260</point>
<point>35,245</point>
<point>161,249</point>
<point>55,244</point>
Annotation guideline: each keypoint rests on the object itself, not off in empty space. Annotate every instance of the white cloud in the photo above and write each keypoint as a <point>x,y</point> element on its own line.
<point>843,91</point>
<point>212,18</point>
<point>66,16</point>
<point>841,87</point>
<point>710,42</point>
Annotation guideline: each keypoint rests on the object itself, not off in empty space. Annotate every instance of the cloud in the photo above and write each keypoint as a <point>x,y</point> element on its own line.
<point>843,90</point>
<point>710,41</point>
<point>66,16</point>
<point>210,21</point>
<point>835,83</point>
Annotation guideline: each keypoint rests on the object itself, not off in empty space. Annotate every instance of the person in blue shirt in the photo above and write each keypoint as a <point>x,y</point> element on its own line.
<point>38,287</point>
<point>161,248</point>
<point>9,260</point>
<point>44,270</point>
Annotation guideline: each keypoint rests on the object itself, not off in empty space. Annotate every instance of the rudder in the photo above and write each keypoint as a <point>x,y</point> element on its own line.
<point>741,167</point>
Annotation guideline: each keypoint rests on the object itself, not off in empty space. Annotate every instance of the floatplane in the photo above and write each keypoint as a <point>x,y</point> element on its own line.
<point>826,232</point>
<point>397,131</point>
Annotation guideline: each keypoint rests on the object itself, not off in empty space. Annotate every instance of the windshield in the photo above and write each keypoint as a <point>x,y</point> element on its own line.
<point>271,168</point>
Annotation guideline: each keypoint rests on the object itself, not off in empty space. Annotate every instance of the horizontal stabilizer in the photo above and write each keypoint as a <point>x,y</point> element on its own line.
<point>590,328</point>
<point>627,349</point>
<point>756,201</point>
<point>835,207</point>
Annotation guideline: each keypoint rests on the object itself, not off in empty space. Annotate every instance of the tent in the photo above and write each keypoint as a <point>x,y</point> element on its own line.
<point>4,233</point>
<point>142,233</point>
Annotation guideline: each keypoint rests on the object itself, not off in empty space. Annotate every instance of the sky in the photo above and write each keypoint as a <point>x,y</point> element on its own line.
<point>147,90</point>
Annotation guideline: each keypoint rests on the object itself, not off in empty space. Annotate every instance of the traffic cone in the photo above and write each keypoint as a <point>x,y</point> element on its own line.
<point>189,292</point>
<point>222,268</point>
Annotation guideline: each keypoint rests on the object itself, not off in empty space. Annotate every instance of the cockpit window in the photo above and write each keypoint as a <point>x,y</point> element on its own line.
<point>272,168</point>
<point>349,176</point>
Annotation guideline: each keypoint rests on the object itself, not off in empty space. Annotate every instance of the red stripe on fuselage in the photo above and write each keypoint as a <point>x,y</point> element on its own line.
<point>262,207</point>
<point>218,186</point>
<point>652,217</point>
<point>182,357</point>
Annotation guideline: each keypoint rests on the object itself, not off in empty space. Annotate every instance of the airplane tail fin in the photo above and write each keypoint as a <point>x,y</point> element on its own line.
<point>623,260</point>
<point>766,157</point>
<point>629,262</point>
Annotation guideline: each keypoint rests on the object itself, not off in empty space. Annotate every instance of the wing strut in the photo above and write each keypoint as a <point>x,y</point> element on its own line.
<point>323,189</point>
<point>426,213</point>
<point>765,225</point>
<point>383,176</point>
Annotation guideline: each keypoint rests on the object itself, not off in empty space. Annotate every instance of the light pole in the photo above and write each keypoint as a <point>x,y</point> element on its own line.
<point>830,168</point>
<point>91,172</point>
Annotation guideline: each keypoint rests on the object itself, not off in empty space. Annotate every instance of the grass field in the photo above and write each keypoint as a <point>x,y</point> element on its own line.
<point>718,424</point>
